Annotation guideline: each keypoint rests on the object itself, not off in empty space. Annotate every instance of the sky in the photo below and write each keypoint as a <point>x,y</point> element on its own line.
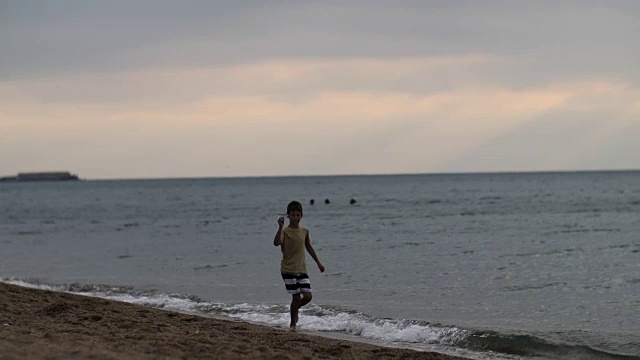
<point>173,89</point>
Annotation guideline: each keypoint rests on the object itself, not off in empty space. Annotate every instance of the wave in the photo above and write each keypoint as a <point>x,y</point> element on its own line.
<point>485,344</point>
<point>533,346</point>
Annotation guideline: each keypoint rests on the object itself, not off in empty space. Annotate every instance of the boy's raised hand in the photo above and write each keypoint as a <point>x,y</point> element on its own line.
<point>281,221</point>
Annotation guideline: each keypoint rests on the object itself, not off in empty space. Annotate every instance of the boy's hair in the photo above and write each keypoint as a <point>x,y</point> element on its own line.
<point>294,206</point>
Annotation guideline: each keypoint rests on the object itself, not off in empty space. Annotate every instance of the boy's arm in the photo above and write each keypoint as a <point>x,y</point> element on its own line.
<point>312,252</point>
<point>277,240</point>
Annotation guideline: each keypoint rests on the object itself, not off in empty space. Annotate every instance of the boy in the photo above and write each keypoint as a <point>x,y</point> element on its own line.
<point>292,241</point>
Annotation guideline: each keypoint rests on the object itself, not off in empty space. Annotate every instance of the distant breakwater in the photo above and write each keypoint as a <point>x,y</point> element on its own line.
<point>41,176</point>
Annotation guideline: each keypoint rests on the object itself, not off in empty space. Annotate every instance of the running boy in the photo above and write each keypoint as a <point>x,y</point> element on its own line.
<point>292,240</point>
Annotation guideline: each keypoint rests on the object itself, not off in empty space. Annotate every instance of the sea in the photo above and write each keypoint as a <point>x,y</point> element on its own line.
<point>487,266</point>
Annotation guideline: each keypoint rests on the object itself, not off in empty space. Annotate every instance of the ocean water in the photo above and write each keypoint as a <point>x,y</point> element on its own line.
<point>488,266</point>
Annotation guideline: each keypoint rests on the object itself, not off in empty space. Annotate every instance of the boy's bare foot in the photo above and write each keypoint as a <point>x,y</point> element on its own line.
<point>292,328</point>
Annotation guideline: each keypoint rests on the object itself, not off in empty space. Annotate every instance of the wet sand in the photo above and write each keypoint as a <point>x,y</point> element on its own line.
<point>39,324</point>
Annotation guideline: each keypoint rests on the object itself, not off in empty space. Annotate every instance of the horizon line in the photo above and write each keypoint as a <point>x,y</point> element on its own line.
<point>513,172</point>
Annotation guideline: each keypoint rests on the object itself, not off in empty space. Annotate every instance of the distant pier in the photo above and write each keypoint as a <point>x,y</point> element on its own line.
<point>41,176</point>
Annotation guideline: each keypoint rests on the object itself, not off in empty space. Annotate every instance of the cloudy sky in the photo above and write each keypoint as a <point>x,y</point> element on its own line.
<point>148,89</point>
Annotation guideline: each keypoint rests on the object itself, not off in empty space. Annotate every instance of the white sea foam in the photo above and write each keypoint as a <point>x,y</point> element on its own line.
<point>34,285</point>
<point>325,319</point>
<point>316,318</point>
<point>313,318</point>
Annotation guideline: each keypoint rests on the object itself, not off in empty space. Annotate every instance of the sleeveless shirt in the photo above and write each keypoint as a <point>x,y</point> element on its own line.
<point>293,256</point>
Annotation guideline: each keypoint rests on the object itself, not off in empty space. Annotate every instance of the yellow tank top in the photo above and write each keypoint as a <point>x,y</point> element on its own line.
<point>293,257</point>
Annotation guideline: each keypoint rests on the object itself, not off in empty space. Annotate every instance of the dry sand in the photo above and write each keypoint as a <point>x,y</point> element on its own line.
<point>39,324</point>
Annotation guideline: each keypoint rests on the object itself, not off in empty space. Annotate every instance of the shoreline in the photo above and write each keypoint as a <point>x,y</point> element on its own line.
<point>39,324</point>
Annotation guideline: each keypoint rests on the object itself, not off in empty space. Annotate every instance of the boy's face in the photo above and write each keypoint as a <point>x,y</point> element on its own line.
<point>294,217</point>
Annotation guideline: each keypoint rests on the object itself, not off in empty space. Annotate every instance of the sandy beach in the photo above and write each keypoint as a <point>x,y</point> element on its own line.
<point>39,324</point>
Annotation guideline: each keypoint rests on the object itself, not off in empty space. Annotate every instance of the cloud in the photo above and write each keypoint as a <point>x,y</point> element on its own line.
<point>325,90</point>
<point>293,78</point>
<point>568,39</point>
<point>592,130</point>
<point>340,115</point>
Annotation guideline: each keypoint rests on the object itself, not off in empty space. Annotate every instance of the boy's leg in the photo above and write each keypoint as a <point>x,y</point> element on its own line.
<point>305,299</point>
<point>305,289</point>
<point>295,306</point>
<point>299,287</point>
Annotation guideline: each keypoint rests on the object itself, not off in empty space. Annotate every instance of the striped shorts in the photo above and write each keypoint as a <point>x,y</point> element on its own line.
<point>296,283</point>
